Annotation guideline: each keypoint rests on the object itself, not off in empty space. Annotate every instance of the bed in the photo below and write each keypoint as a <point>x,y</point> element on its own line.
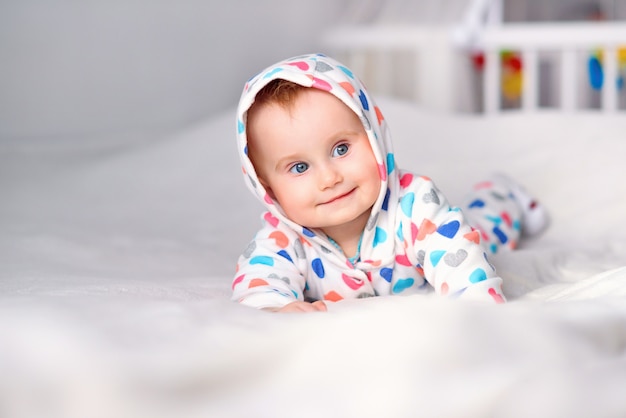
<point>116,261</point>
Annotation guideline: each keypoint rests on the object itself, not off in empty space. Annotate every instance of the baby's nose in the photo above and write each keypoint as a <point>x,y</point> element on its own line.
<point>329,176</point>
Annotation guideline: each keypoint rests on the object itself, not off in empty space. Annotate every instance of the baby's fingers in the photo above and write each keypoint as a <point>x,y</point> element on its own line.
<point>319,306</point>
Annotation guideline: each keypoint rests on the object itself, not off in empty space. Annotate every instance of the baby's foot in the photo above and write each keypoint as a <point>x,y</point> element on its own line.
<point>535,217</point>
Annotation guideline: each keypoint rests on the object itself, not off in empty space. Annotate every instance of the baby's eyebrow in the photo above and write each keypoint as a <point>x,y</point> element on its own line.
<point>287,160</point>
<point>347,132</point>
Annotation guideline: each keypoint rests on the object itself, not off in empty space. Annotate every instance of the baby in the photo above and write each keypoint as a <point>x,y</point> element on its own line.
<point>343,220</point>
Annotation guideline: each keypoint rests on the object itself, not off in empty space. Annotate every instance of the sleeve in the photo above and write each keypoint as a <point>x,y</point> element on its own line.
<point>271,270</point>
<point>447,248</point>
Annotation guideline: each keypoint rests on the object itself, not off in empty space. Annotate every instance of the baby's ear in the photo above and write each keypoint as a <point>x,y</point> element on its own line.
<point>270,193</point>
<point>267,188</point>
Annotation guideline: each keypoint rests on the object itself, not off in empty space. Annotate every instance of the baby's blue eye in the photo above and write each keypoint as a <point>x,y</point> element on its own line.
<point>340,150</point>
<point>299,168</point>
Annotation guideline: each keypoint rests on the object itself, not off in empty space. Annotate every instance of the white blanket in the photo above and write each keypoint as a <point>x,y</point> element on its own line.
<point>117,254</point>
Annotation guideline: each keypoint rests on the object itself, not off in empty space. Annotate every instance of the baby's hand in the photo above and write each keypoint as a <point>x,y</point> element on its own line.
<point>317,306</point>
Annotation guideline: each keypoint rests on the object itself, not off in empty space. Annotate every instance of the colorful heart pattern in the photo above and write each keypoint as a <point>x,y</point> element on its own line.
<point>411,233</point>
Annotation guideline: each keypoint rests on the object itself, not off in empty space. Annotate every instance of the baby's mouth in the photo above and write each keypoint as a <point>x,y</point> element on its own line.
<point>341,196</point>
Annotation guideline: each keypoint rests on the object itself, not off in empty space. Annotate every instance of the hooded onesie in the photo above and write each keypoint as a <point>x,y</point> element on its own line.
<point>414,241</point>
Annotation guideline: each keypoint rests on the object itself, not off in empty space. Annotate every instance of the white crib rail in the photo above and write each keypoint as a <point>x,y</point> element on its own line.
<point>567,39</point>
<point>434,50</point>
<point>366,49</point>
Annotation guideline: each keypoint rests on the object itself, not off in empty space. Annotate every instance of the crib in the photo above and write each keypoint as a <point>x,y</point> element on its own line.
<point>568,40</point>
<point>440,73</point>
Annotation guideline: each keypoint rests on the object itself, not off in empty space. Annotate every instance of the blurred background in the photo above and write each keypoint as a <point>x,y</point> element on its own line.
<point>94,68</point>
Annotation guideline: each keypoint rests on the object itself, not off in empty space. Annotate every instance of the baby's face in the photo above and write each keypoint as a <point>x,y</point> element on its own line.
<point>316,161</point>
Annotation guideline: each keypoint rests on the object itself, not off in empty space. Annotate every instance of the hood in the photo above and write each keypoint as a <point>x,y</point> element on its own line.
<point>324,73</point>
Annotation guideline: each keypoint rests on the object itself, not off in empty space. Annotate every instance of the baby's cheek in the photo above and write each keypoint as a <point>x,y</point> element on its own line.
<point>295,202</point>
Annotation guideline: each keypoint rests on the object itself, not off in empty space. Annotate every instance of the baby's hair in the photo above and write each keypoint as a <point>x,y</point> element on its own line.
<point>281,92</point>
